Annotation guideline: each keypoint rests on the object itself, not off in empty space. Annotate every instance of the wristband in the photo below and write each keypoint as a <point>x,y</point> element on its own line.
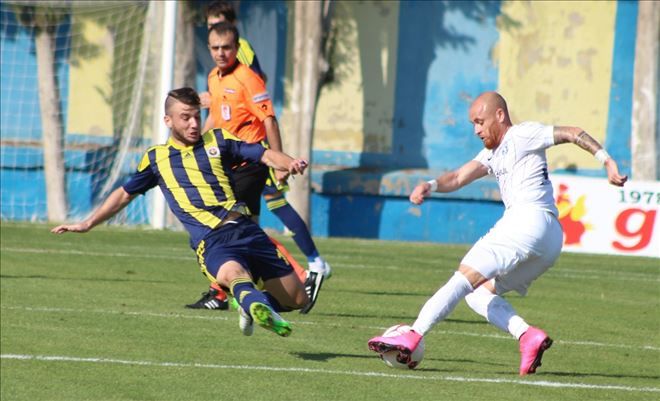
<point>433,184</point>
<point>602,156</point>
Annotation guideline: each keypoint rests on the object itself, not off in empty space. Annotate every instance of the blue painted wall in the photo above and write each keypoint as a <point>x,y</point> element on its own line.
<point>445,57</point>
<point>623,62</point>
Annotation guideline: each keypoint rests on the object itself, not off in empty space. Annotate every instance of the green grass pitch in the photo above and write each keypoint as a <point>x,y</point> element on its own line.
<point>100,316</point>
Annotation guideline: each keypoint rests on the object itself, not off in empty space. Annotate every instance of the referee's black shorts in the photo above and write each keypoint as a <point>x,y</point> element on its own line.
<point>249,181</point>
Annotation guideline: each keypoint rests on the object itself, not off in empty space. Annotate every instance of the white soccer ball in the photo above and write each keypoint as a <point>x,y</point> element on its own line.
<point>390,357</point>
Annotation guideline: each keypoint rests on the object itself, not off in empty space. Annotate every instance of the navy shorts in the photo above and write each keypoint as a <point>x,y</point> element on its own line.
<point>242,241</point>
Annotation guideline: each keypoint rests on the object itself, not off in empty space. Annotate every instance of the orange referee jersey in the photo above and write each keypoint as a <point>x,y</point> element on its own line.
<point>240,103</point>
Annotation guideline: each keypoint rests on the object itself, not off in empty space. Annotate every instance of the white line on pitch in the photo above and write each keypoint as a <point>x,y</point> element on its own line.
<point>92,253</point>
<point>540,383</point>
<point>561,272</point>
<point>231,317</point>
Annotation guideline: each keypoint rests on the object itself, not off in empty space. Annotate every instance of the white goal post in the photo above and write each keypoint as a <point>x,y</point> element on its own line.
<point>166,77</point>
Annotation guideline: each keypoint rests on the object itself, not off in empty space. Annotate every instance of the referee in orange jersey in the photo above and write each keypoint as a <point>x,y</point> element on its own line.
<point>241,105</point>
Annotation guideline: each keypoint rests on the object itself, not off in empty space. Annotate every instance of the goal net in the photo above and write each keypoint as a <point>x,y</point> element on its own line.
<point>78,87</point>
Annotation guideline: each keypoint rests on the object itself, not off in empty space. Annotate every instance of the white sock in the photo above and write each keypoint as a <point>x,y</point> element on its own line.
<point>317,265</point>
<point>497,311</point>
<point>440,305</point>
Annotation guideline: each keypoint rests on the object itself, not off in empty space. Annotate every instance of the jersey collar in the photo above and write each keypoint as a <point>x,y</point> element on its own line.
<point>170,142</point>
<point>229,71</point>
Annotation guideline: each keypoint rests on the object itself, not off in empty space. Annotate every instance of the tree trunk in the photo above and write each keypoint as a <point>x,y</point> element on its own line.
<point>306,78</point>
<point>645,140</point>
<point>185,67</point>
<point>52,130</point>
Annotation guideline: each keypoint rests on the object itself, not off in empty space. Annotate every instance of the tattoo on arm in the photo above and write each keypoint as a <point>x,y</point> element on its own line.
<point>586,142</point>
<point>583,140</point>
<point>578,140</point>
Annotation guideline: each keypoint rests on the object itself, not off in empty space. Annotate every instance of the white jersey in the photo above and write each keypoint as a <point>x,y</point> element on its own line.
<point>520,166</point>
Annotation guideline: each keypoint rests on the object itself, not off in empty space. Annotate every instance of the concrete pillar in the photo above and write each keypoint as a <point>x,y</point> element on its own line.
<point>645,140</point>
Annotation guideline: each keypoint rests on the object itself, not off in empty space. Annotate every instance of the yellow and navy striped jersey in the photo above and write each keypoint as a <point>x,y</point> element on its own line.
<point>197,180</point>
<point>247,56</point>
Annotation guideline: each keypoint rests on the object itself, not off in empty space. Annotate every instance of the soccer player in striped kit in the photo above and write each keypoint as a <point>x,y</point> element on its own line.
<point>193,170</point>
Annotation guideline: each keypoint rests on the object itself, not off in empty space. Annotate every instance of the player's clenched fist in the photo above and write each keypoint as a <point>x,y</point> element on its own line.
<point>297,166</point>
<point>420,192</point>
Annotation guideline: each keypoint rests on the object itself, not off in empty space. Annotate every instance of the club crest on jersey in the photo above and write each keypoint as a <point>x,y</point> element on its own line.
<point>261,97</point>
<point>225,110</point>
<point>213,151</point>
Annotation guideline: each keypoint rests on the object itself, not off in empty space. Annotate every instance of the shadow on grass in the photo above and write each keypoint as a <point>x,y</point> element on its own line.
<point>390,293</point>
<point>42,277</point>
<point>596,374</point>
<point>326,356</point>
<point>363,315</point>
<point>397,318</point>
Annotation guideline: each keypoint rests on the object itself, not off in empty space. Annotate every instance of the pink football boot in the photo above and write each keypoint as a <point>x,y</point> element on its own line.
<point>532,345</point>
<point>404,343</point>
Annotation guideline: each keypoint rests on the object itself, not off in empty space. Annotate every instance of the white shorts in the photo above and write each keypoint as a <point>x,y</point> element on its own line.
<point>521,246</point>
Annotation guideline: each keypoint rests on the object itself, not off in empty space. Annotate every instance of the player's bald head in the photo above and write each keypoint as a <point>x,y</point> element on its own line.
<point>490,102</point>
<point>490,117</point>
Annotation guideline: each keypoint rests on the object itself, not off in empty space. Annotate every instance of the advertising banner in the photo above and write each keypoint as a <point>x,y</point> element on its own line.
<point>600,218</point>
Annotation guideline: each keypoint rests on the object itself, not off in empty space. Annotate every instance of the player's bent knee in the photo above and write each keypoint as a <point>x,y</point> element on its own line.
<point>490,286</point>
<point>231,271</point>
<point>474,277</point>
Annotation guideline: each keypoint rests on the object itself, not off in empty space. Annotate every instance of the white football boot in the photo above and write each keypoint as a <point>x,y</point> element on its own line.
<point>245,322</point>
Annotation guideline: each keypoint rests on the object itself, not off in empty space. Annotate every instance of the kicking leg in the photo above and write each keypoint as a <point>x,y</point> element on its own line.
<point>443,302</point>
<point>252,301</point>
<point>437,308</point>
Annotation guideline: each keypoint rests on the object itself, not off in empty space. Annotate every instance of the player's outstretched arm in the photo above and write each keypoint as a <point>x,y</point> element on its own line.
<point>273,133</point>
<point>585,141</point>
<point>117,200</point>
<point>283,162</point>
<point>449,182</point>
<point>275,142</point>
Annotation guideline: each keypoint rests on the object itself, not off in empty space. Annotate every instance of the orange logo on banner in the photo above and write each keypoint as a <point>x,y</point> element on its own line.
<point>570,216</point>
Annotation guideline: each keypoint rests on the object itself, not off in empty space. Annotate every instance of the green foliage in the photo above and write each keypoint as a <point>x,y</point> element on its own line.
<point>41,17</point>
<point>112,302</point>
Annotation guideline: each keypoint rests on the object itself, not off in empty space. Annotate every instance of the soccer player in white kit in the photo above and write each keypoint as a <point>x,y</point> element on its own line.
<point>521,246</point>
